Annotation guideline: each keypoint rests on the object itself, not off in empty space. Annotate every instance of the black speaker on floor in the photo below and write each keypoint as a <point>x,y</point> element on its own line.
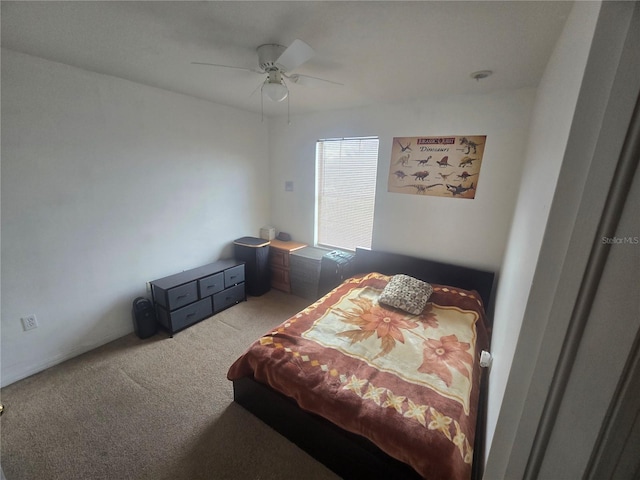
<point>144,318</point>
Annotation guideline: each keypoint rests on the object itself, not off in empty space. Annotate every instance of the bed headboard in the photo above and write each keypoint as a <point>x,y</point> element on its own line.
<point>427,270</point>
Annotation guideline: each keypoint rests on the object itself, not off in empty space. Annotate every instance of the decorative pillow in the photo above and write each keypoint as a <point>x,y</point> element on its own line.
<point>406,293</point>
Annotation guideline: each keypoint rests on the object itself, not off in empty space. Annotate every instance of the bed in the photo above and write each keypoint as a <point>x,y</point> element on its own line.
<point>372,390</point>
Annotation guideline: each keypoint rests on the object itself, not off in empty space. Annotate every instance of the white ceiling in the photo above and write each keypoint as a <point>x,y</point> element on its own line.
<point>382,51</point>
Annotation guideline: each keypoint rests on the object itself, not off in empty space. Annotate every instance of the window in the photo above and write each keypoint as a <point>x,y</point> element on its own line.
<point>345,191</point>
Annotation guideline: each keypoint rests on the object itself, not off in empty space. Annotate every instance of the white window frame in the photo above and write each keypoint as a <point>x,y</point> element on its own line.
<point>367,202</point>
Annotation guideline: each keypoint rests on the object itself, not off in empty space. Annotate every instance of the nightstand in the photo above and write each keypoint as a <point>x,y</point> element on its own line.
<point>305,271</point>
<point>279,253</point>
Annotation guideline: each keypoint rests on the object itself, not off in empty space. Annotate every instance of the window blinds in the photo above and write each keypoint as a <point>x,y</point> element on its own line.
<point>346,190</point>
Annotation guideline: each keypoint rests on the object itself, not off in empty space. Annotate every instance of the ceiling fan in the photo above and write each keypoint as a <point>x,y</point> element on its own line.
<point>277,62</point>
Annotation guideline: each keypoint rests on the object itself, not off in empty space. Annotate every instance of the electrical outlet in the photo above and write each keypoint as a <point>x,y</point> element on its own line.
<point>29,322</point>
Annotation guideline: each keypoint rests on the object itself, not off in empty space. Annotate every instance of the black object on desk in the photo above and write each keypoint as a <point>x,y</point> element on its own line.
<point>255,253</point>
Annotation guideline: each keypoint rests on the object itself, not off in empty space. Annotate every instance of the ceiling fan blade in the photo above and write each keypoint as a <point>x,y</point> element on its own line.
<point>256,89</point>
<point>310,80</point>
<point>295,55</point>
<point>228,66</point>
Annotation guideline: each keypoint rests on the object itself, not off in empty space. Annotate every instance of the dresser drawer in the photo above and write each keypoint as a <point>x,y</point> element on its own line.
<point>210,285</point>
<point>182,295</point>
<point>228,297</point>
<point>280,279</point>
<point>190,314</point>
<point>234,275</point>
<point>278,258</point>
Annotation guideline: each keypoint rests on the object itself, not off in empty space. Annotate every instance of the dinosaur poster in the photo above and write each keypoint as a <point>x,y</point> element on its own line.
<point>446,166</point>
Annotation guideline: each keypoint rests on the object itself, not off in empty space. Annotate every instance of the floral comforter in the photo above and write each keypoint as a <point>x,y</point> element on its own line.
<point>408,383</point>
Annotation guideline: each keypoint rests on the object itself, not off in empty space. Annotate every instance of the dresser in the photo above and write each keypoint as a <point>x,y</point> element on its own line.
<point>279,263</point>
<point>187,297</point>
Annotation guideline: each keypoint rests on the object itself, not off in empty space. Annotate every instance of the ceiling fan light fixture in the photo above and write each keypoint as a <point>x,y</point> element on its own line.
<point>275,91</point>
<point>274,87</point>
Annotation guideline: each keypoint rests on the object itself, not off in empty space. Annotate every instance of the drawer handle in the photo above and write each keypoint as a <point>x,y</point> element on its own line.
<point>212,286</point>
<point>190,314</point>
<point>232,276</point>
<point>182,296</point>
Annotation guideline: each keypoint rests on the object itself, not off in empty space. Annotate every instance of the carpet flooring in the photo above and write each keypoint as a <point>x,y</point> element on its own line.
<point>159,408</point>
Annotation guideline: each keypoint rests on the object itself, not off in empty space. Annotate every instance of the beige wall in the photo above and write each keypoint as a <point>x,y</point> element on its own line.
<point>554,109</point>
<point>469,232</point>
<point>608,92</point>
<point>106,185</point>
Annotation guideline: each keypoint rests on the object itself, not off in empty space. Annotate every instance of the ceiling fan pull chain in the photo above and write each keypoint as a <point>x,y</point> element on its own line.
<point>261,105</point>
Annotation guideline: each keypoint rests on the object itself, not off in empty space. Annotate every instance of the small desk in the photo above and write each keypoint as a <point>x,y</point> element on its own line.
<point>279,253</point>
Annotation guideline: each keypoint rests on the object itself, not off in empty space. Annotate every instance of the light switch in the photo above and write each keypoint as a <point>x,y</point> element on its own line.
<point>288,186</point>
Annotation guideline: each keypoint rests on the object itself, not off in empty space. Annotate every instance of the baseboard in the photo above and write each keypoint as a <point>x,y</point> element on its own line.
<point>11,377</point>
